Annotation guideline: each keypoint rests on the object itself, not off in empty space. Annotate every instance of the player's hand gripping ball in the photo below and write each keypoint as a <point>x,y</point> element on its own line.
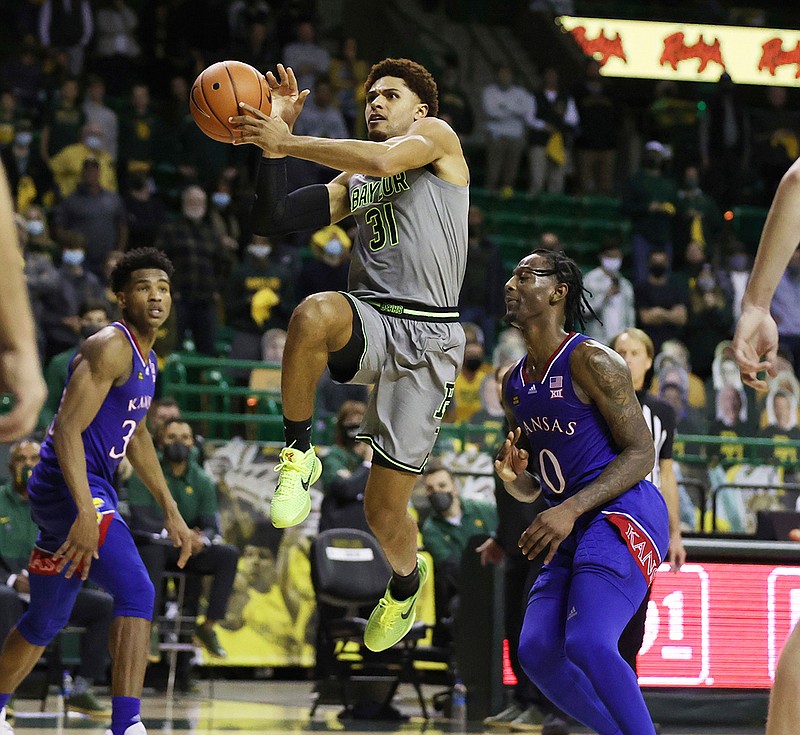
<point>217,92</point>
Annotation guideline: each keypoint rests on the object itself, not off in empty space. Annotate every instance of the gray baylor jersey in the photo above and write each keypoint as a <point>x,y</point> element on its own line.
<point>411,245</point>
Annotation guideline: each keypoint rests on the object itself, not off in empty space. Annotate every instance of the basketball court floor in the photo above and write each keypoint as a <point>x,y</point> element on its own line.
<point>268,708</point>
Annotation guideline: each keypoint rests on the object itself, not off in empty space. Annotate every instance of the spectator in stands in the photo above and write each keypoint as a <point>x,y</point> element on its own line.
<point>100,114</point>
<point>199,258</point>
<point>510,348</point>
<point>67,165</point>
<point>735,276</point>
<point>698,218</point>
<point>481,299</point>
<point>23,76</point>
<point>39,240</point>
<point>344,476</point>
<point>550,241</point>
<point>673,389</point>
<point>162,410</point>
<point>141,134</point>
<point>196,496</point>
<point>63,120</point>
<point>9,117</point>
<point>598,134</point>
<point>61,302</point>
<point>96,213</point>
<point>709,319</point>
<point>144,210</point>
<point>725,142</point>
<point>455,106</point>
<point>675,353</point>
<point>695,259</point>
<point>649,200</point>
<point>346,74</point>
<point>491,413</point>
<point>610,295</point>
<point>109,297</point>
<point>29,177</point>
<point>260,296</point>
<point>241,16</point>
<point>552,121</point>
<point>116,50</point>
<point>67,25</point>
<point>776,140</point>
<point>729,410</point>
<point>259,45</point>
<point>505,106</point>
<point>328,269</point>
<point>309,60</point>
<point>466,393</point>
<point>731,417</point>
<point>320,119</point>
<point>93,607</point>
<point>782,426</point>
<point>92,317</point>
<point>223,214</point>
<point>453,523</point>
<point>672,119</point>
<point>784,308</point>
<point>661,301</point>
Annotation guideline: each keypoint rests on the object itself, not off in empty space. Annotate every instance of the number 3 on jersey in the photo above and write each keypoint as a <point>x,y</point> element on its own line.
<point>115,453</point>
<point>384,227</point>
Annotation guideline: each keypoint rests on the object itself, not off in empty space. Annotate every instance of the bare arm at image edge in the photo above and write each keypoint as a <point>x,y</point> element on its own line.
<point>20,370</point>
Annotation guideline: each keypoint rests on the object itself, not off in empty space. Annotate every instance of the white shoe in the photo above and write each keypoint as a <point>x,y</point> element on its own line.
<point>137,728</point>
<point>5,727</point>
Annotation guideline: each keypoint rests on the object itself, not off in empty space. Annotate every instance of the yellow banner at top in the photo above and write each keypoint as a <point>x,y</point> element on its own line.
<point>689,52</point>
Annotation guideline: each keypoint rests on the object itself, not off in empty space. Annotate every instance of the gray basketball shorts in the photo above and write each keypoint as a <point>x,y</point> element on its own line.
<point>412,366</point>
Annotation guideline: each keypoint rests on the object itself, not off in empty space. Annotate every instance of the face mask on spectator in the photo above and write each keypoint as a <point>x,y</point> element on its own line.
<point>221,199</point>
<point>259,250</point>
<point>35,227</point>
<point>440,501</point>
<point>94,142</point>
<point>176,452</point>
<point>611,265</point>
<point>473,363</point>
<point>194,213</point>
<point>23,139</point>
<point>73,257</point>
<point>351,431</point>
<point>334,248</point>
<point>658,269</point>
<point>706,283</point>
<point>738,262</point>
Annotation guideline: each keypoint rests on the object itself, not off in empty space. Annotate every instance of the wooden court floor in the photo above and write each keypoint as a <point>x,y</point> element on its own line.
<point>267,707</point>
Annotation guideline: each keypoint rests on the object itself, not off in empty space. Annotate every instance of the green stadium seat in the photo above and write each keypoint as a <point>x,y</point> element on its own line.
<point>747,223</point>
<point>511,224</point>
<point>557,205</point>
<point>601,206</point>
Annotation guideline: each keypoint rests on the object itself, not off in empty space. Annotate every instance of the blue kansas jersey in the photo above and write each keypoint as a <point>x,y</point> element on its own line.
<point>570,442</point>
<point>106,438</point>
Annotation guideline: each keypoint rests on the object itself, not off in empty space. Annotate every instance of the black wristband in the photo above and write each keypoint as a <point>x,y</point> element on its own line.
<point>277,212</point>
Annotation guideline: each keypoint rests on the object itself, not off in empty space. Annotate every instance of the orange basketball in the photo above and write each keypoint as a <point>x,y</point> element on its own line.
<point>217,92</point>
<point>794,534</point>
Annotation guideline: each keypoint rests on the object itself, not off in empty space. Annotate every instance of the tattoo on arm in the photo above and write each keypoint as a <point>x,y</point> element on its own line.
<point>606,380</point>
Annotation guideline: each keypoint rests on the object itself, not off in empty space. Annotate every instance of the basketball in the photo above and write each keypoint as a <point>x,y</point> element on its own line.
<point>794,534</point>
<point>217,92</point>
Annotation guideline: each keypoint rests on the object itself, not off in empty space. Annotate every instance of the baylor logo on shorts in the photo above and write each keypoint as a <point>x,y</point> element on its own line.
<point>449,390</point>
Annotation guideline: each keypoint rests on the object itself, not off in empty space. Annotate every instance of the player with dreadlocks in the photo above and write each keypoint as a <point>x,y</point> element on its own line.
<point>578,436</point>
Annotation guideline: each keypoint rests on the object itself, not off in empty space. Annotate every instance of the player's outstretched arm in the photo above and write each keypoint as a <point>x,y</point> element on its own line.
<point>143,457</point>
<point>20,371</point>
<point>427,141</point>
<point>604,377</point>
<point>755,343</point>
<point>102,359</point>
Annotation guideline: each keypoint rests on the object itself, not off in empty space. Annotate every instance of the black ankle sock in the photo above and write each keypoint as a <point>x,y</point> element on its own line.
<point>403,587</point>
<point>297,433</point>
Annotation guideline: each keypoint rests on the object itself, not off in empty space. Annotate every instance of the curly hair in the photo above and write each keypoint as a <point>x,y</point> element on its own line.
<point>135,260</point>
<point>417,77</point>
<point>576,308</point>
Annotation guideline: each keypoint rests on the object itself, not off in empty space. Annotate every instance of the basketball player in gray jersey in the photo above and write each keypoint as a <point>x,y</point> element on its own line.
<point>397,326</point>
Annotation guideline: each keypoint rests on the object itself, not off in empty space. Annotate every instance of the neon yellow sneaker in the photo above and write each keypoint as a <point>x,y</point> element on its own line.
<point>297,471</point>
<point>391,619</point>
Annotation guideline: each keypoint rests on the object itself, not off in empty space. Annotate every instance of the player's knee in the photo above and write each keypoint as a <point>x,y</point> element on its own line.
<point>319,314</point>
<point>136,599</point>
<point>583,647</point>
<point>538,653</point>
<point>39,626</point>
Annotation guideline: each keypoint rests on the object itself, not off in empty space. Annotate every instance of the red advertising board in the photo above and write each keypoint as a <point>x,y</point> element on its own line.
<point>717,625</point>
